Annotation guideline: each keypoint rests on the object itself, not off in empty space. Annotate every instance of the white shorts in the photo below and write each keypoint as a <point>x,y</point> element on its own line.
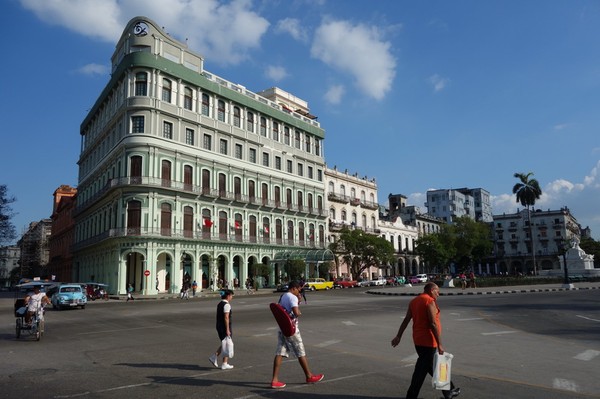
<point>287,345</point>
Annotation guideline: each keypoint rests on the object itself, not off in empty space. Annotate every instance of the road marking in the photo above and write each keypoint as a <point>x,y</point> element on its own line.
<point>587,318</point>
<point>565,385</point>
<point>120,329</point>
<point>587,355</point>
<point>262,335</point>
<point>499,333</point>
<point>411,358</point>
<point>471,319</point>
<point>349,323</point>
<point>327,343</point>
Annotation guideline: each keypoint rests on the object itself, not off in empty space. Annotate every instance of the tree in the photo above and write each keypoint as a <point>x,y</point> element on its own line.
<point>527,191</point>
<point>294,268</point>
<point>432,250</point>
<point>360,250</point>
<point>7,229</point>
<point>591,247</point>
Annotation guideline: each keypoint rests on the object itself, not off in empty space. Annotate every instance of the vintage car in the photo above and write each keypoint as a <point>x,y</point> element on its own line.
<point>345,282</point>
<point>378,281</point>
<point>68,296</point>
<point>319,284</point>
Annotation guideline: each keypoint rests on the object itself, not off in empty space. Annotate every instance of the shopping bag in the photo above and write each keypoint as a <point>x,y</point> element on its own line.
<point>442,365</point>
<point>227,347</point>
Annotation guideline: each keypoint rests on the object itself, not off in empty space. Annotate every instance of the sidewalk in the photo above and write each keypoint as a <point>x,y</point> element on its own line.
<point>416,289</point>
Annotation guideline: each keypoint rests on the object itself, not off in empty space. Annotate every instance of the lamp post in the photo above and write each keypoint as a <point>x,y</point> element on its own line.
<point>566,283</point>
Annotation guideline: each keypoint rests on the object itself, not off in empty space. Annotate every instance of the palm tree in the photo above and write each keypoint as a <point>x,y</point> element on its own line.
<point>527,191</point>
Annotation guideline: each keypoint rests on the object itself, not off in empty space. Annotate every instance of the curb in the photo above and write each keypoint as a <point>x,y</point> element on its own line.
<point>494,292</point>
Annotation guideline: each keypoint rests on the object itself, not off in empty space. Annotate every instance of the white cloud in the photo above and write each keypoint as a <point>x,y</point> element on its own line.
<point>334,94</point>
<point>293,27</point>
<point>592,179</point>
<point>560,126</point>
<point>358,50</point>
<point>439,83</point>
<point>94,69</point>
<point>276,73</point>
<point>224,32</point>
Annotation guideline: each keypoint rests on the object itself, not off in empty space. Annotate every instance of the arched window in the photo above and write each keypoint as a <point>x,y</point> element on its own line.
<point>237,188</point>
<point>343,190</point>
<point>266,230</point>
<point>223,225</point>
<point>187,98</point>
<point>331,187</point>
<point>135,169</point>
<point>222,185</point>
<point>165,174</point>
<point>332,214</point>
<point>134,217</point>
<point>252,228</point>
<point>221,110</point>
<point>286,135</point>
<point>141,84</point>
<point>263,126</point>
<point>364,221</point>
<point>275,131</point>
<point>205,181</point>
<point>188,222</point>
<point>250,121</point>
<point>278,231</point>
<point>205,104</point>
<point>165,219</point>
<point>187,177</point>
<point>343,216</point>
<point>237,120</point>
<point>290,232</point>
<point>301,233</point>
<point>166,90</point>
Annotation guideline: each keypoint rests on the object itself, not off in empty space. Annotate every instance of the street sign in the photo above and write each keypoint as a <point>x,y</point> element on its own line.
<point>146,273</point>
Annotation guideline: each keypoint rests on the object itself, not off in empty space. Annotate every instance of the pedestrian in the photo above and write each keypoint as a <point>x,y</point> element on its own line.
<point>427,338</point>
<point>472,279</point>
<point>303,288</point>
<point>129,292</point>
<point>292,344</point>
<point>224,324</point>
<point>194,288</point>
<point>463,280</point>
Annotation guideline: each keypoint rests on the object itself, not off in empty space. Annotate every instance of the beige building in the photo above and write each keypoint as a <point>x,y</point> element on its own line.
<point>9,260</point>
<point>186,176</point>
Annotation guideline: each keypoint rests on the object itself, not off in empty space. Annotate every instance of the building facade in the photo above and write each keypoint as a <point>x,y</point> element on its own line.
<point>186,176</point>
<point>516,251</point>
<point>63,226</point>
<point>449,204</point>
<point>35,250</point>
<point>9,260</point>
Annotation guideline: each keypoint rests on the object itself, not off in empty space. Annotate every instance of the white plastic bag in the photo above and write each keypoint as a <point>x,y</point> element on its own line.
<point>442,366</point>
<point>227,347</point>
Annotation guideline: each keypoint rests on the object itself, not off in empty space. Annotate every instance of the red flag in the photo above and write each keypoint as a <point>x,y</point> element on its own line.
<point>238,225</point>
<point>207,222</point>
<point>266,229</point>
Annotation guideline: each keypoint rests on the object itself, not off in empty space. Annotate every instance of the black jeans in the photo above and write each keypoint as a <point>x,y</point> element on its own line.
<point>423,367</point>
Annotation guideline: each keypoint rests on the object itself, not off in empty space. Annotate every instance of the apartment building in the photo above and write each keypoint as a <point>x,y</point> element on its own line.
<point>522,238</point>
<point>9,260</point>
<point>34,249</point>
<point>186,176</point>
<point>60,264</point>
<point>449,204</point>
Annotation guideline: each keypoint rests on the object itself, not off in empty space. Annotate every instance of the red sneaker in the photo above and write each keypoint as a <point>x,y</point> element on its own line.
<point>315,378</point>
<point>277,385</point>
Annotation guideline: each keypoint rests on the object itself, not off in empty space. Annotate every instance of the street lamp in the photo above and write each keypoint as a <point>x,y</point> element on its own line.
<point>566,282</point>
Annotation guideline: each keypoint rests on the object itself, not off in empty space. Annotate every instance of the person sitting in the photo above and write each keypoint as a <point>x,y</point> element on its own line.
<point>34,301</point>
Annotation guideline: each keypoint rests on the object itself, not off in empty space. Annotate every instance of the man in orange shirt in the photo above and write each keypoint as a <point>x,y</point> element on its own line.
<point>427,333</point>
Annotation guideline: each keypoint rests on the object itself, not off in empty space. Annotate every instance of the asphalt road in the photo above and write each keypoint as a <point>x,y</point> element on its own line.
<point>520,345</point>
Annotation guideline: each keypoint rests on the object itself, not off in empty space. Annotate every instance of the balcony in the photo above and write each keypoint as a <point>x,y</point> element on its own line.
<point>343,199</point>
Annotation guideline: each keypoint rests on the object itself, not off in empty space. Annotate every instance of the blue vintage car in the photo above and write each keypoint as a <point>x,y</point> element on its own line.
<point>68,296</point>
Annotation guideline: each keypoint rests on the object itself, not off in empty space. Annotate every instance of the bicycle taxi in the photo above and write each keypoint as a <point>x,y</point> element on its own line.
<point>35,327</point>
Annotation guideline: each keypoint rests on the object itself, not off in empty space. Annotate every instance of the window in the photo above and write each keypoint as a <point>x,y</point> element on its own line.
<point>238,151</point>
<point>236,117</point>
<point>300,169</point>
<point>189,136</point>
<point>168,130</point>
<point>310,172</point>
<point>286,135</point>
<point>277,163</point>
<point>207,142</point>
<point>307,144</point>
<point>188,173</point>
<point>290,166</point>
<point>221,110</point>
<point>275,131</point>
<point>252,155</point>
<point>317,147</point>
<point>187,98</point>
<point>223,146</point>
<point>166,90</point>
<point>263,126</point>
<point>205,104</point>
<point>141,84</point>
<point>137,124</point>
<point>297,140</point>
<point>250,121</point>
<point>265,159</point>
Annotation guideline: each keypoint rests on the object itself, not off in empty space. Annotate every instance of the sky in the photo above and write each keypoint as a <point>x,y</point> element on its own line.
<point>419,95</point>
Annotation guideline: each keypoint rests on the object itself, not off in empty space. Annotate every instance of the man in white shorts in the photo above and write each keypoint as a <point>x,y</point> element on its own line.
<point>292,344</point>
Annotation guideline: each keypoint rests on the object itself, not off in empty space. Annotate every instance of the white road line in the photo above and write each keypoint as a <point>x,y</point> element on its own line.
<point>471,319</point>
<point>411,358</point>
<point>587,318</point>
<point>565,385</point>
<point>587,355</point>
<point>499,333</point>
<point>121,329</point>
<point>262,335</point>
<point>327,343</point>
<point>349,323</point>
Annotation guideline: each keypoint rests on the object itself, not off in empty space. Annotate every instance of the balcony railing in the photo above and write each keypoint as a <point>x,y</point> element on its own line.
<point>206,192</point>
<point>177,234</point>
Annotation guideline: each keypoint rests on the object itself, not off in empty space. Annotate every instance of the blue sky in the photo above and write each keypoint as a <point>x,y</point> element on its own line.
<point>418,94</point>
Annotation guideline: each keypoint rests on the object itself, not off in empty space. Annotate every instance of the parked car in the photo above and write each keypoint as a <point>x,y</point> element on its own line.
<point>422,278</point>
<point>364,283</point>
<point>413,280</point>
<point>282,287</point>
<point>68,296</point>
<point>319,284</point>
<point>379,281</point>
<point>345,283</point>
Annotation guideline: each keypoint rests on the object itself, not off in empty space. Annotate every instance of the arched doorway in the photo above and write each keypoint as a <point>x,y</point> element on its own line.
<point>134,274</point>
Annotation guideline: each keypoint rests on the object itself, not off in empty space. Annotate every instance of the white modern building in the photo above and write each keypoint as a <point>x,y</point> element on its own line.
<point>449,204</point>
<point>186,176</point>
<point>9,260</point>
